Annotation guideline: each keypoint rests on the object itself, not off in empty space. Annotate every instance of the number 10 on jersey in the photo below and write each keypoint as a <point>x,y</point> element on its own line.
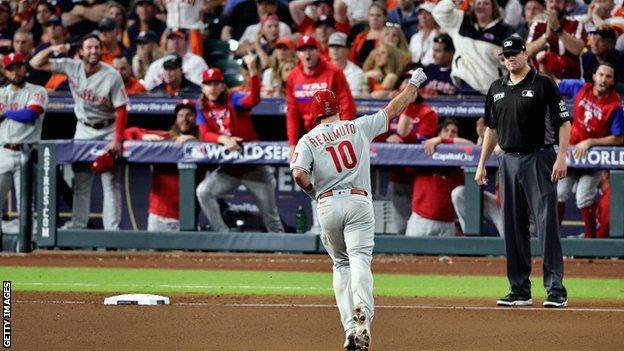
<point>345,155</point>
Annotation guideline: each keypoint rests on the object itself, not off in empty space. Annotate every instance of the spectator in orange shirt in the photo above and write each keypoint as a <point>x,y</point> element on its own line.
<point>111,47</point>
<point>368,40</point>
<point>133,86</point>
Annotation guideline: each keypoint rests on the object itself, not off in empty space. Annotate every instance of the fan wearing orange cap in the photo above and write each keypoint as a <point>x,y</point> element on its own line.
<point>224,118</point>
<point>164,197</point>
<point>22,106</point>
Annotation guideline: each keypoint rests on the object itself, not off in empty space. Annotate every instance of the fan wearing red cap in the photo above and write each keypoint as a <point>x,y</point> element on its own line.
<point>22,106</point>
<point>100,100</point>
<point>331,163</point>
<point>224,118</point>
<point>164,194</point>
<point>310,74</point>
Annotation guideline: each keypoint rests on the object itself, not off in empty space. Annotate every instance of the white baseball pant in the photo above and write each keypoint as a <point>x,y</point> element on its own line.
<point>83,180</point>
<point>491,211</point>
<point>10,175</point>
<point>348,234</point>
<point>587,185</point>
<point>401,197</point>
<point>259,181</point>
<point>156,223</point>
<point>421,226</point>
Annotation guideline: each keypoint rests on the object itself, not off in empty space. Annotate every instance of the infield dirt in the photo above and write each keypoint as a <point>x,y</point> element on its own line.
<point>79,321</point>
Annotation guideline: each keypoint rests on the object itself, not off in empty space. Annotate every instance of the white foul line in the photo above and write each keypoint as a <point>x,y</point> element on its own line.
<point>389,307</point>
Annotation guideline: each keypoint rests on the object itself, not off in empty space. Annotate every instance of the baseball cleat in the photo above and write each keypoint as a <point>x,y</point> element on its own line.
<point>362,333</point>
<point>349,344</point>
<point>512,300</point>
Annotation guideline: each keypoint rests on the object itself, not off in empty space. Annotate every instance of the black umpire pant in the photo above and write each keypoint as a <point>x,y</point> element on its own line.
<point>526,185</point>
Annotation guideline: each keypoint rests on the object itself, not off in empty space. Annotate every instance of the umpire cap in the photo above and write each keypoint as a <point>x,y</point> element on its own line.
<point>513,44</point>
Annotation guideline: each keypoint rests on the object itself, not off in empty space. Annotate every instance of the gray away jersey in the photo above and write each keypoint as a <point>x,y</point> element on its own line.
<point>337,155</point>
<point>13,132</point>
<point>96,96</point>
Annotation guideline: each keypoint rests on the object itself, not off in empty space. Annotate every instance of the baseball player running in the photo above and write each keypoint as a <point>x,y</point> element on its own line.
<point>331,163</point>
<point>22,106</point>
<point>100,107</point>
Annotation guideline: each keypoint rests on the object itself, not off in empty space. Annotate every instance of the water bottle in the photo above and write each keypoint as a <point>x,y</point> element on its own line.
<point>301,220</point>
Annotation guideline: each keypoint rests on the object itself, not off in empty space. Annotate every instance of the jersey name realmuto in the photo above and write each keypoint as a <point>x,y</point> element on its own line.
<point>337,154</point>
<point>184,14</point>
<point>13,132</point>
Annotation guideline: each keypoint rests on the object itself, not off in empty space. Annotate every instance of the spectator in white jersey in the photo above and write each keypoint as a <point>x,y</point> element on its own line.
<point>339,53</point>
<point>100,108</point>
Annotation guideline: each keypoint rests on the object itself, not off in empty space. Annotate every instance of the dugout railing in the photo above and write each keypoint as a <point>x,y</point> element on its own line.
<point>51,154</point>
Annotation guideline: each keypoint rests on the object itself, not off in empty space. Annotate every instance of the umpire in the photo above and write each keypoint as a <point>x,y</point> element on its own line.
<point>523,112</point>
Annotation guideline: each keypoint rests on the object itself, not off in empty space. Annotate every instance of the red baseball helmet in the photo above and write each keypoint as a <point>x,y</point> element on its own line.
<point>324,103</point>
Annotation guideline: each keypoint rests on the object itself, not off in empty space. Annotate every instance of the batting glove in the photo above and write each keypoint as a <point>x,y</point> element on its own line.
<point>418,77</point>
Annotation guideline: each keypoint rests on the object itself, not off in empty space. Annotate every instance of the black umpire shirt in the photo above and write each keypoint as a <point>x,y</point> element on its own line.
<point>527,115</point>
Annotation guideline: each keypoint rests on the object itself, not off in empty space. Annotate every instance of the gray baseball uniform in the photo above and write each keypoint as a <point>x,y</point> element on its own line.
<point>15,133</point>
<point>259,181</point>
<point>96,97</point>
<point>337,157</point>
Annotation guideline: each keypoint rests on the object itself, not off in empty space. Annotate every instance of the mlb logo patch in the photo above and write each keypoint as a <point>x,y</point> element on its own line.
<point>528,93</point>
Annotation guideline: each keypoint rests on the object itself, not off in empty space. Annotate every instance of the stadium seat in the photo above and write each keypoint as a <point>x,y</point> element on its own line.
<point>215,49</point>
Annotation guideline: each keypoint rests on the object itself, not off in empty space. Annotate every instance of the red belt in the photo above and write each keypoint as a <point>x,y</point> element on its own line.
<point>329,193</point>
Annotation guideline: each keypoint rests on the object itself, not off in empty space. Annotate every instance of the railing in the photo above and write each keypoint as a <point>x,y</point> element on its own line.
<point>53,153</point>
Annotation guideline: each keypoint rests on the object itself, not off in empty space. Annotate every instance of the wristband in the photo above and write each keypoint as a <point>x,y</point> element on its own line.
<point>559,30</point>
<point>448,140</point>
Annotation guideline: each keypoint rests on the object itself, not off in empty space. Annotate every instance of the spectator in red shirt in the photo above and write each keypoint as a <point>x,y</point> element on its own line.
<point>416,124</point>
<point>557,41</point>
<point>324,26</point>
<point>598,119</point>
<point>432,209</point>
<point>164,197</point>
<point>305,24</point>
<point>133,86</point>
<point>224,118</point>
<point>311,74</point>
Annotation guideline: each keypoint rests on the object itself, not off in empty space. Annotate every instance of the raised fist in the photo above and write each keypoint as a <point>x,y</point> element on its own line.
<point>418,77</point>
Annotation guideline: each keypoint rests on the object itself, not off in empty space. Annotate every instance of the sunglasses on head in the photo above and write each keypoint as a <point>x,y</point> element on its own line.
<point>393,25</point>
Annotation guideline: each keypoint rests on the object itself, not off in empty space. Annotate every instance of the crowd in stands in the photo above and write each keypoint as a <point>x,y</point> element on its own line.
<point>358,48</point>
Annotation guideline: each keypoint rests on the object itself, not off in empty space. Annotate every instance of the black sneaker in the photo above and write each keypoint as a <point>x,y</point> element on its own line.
<point>555,301</point>
<point>515,300</point>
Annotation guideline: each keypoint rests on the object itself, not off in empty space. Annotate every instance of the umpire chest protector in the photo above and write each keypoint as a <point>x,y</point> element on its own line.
<point>527,114</point>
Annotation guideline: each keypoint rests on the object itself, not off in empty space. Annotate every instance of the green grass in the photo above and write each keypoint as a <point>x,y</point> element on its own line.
<point>129,280</point>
